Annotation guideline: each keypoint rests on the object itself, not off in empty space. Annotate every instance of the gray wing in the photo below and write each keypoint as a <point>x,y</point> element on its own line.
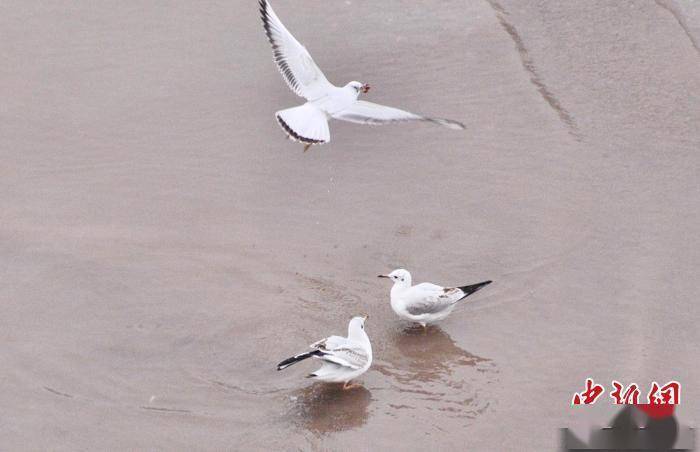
<point>342,351</point>
<point>428,298</point>
<point>363,112</point>
<point>293,60</point>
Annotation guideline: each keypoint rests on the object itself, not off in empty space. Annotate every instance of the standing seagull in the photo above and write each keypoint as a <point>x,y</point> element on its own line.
<point>308,123</point>
<point>425,302</point>
<point>344,358</point>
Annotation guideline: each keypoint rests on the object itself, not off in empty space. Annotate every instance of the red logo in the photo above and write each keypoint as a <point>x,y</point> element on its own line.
<point>630,397</point>
<point>668,395</point>
<point>589,396</point>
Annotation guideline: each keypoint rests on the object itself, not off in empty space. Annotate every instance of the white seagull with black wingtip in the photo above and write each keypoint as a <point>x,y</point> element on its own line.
<point>425,303</point>
<point>344,358</point>
<point>308,123</point>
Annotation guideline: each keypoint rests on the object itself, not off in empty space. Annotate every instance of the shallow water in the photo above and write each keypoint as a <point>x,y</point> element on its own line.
<point>162,246</point>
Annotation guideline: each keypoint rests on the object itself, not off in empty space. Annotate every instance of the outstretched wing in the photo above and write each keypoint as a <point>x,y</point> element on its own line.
<point>294,62</point>
<point>342,351</point>
<point>363,112</point>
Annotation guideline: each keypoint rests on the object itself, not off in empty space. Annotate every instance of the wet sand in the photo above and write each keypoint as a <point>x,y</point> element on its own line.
<point>162,246</point>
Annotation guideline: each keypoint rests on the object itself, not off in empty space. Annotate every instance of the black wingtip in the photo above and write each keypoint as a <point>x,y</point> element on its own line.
<point>470,289</point>
<point>295,359</point>
<point>263,5</point>
<point>449,123</point>
<point>289,361</point>
<point>455,125</point>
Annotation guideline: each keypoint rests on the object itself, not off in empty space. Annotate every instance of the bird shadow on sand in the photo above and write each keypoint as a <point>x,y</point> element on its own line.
<point>326,408</point>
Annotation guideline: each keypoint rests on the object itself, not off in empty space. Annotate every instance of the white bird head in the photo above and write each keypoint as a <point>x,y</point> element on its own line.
<point>399,276</point>
<point>358,87</point>
<point>356,327</point>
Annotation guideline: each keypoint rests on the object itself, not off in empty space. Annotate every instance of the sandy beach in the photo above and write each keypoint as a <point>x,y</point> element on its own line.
<point>163,245</point>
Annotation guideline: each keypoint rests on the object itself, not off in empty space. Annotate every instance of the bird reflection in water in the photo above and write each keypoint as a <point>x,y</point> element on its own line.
<point>325,408</point>
<point>427,355</point>
<point>429,370</point>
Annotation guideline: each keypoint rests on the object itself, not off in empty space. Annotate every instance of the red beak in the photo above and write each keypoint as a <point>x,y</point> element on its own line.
<point>365,88</point>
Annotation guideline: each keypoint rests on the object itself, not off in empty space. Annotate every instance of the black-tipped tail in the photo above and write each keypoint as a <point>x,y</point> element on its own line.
<point>295,359</point>
<point>468,290</point>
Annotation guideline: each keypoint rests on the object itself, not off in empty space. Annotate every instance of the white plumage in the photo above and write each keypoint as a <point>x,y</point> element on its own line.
<point>308,123</point>
<point>425,303</point>
<point>344,358</point>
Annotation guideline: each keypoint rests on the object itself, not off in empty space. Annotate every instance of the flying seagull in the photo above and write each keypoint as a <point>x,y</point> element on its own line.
<point>425,302</point>
<point>308,123</point>
<point>344,358</point>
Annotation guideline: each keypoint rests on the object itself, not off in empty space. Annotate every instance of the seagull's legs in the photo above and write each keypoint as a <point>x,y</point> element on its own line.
<point>347,385</point>
<point>425,328</point>
<point>307,146</point>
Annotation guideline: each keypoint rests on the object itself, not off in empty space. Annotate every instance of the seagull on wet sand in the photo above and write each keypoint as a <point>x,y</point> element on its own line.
<point>308,123</point>
<point>344,358</point>
<point>425,303</point>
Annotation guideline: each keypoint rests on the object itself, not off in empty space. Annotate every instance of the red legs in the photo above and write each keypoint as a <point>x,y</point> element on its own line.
<point>347,385</point>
